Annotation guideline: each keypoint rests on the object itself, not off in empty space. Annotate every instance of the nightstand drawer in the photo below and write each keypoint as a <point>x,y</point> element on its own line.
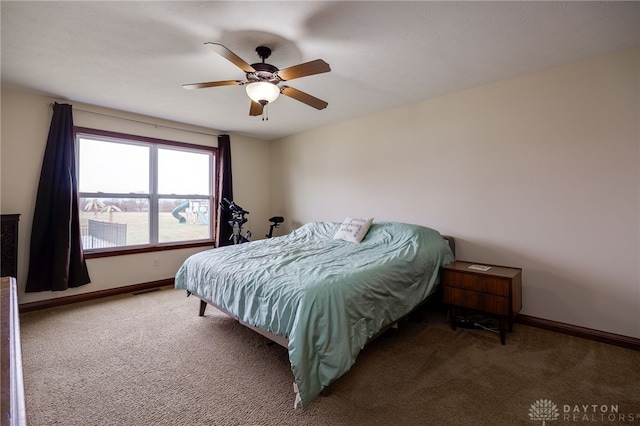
<point>496,290</point>
<point>478,283</point>
<point>489,303</point>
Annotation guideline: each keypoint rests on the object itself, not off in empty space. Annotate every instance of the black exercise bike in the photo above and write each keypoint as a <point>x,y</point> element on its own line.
<point>275,223</point>
<point>238,219</point>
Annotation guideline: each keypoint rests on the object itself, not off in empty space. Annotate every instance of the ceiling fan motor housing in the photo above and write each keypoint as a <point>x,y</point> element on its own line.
<point>264,72</point>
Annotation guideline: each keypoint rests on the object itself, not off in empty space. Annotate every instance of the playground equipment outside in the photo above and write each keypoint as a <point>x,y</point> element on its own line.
<point>193,209</point>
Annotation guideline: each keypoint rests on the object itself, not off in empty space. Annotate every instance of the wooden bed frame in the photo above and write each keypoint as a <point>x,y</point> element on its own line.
<point>285,342</point>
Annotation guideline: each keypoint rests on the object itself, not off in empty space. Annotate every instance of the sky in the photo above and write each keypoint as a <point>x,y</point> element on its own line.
<point>124,168</point>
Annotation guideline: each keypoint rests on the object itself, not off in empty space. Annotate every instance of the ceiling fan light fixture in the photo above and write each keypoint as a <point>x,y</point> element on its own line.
<point>263,92</point>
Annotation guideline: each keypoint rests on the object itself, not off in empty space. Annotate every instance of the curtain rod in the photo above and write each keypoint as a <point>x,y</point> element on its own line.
<point>142,122</point>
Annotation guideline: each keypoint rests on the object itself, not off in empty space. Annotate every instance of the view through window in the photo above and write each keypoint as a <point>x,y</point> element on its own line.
<point>142,192</point>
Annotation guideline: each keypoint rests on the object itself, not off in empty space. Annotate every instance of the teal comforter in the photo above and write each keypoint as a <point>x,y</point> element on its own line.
<point>326,296</point>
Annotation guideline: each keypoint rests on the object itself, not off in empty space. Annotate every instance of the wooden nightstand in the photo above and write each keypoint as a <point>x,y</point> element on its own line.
<point>497,291</point>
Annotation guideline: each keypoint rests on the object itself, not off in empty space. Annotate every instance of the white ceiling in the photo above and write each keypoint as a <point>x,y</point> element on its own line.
<point>134,56</point>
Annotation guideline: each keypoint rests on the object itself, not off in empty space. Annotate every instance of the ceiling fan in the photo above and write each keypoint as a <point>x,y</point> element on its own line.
<point>262,79</point>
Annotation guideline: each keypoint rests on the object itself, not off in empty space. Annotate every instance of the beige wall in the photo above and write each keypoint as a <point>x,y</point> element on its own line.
<point>25,125</point>
<point>539,171</point>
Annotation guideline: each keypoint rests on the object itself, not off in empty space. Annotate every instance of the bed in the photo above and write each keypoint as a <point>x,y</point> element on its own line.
<point>320,297</point>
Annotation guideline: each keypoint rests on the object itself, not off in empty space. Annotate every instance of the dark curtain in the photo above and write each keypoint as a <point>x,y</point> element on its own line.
<point>225,190</point>
<point>56,258</point>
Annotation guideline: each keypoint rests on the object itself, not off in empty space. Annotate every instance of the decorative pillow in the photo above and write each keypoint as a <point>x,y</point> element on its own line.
<point>353,229</point>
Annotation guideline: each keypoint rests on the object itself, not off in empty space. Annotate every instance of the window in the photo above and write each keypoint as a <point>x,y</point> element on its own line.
<point>143,194</point>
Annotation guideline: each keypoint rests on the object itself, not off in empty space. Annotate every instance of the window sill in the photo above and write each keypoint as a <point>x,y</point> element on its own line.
<point>147,249</point>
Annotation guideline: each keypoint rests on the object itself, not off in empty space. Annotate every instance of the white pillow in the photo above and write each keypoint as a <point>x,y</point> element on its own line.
<point>353,229</point>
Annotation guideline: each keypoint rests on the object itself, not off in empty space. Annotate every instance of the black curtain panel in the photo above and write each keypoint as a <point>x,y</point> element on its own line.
<point>225,190</point>
<point>56,259</point>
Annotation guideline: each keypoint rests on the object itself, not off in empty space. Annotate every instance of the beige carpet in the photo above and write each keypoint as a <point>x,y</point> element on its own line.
<point>150,359</point>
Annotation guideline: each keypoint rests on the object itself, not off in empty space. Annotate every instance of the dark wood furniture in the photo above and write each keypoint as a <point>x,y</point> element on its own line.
<point>9,245</point>
<point>12,385</point>
<point>497,291</point>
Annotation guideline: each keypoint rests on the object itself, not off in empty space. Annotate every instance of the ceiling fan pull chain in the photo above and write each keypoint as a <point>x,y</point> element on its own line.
<point>265,113</point>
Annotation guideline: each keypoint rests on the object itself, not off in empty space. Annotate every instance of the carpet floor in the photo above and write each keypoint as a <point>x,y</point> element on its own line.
<point>149,359</point>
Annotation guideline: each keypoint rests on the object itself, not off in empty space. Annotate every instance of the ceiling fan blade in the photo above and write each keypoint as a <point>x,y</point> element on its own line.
<point>303,97</point>
<point>231,57</point>
<point>308,68</point>
<point>255,109</point>
<point>212,84</point>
